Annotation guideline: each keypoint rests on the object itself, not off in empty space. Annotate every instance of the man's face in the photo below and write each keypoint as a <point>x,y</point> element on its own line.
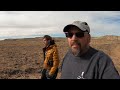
<point>78,42</point>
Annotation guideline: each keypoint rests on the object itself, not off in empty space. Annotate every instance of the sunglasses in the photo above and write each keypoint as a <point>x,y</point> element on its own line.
<point>78,34</point>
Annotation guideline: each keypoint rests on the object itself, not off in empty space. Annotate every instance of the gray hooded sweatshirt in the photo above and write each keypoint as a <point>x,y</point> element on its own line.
<point>94,64</point>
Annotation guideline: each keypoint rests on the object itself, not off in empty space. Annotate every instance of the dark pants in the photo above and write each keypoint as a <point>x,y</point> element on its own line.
<point>44,74</point>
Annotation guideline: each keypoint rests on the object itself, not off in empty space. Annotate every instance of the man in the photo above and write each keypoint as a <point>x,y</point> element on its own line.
<point>82,61</point>
<point>51,59</point>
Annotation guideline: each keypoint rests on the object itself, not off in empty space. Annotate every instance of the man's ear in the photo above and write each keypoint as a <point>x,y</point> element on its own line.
<point>89,38</point>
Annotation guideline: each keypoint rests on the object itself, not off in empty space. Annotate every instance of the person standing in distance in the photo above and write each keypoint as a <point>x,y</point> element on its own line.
<point>51,58</point>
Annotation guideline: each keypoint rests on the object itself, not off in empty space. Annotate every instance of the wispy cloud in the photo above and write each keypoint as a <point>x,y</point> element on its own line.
<point>37,23</point>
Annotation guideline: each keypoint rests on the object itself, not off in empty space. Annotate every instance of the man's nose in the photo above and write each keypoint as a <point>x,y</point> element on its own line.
<point>74,37</point>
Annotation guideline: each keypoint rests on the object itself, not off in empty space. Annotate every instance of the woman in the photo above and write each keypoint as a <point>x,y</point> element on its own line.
<point>51,59</point>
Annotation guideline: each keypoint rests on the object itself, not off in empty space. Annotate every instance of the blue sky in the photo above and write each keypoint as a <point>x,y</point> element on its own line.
<point>28,24</point>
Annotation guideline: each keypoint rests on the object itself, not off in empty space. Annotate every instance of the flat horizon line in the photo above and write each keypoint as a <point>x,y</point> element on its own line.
<point>12,38</point>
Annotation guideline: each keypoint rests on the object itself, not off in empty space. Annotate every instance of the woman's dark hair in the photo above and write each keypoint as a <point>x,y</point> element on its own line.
<point>47,37</point>
<point>51,41</point>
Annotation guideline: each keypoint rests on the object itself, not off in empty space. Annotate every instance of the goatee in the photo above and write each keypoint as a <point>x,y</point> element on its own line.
<point>76,51</point>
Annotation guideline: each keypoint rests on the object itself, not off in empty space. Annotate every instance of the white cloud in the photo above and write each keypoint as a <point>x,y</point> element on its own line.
<point>26,23</point>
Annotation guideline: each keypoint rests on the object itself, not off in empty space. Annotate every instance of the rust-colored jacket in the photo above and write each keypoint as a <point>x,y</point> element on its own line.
<point>51,54</point>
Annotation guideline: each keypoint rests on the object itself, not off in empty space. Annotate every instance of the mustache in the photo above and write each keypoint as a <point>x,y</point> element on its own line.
<point>75,42</point>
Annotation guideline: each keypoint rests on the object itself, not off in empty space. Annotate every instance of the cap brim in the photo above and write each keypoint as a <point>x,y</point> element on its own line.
<point>67,28</point>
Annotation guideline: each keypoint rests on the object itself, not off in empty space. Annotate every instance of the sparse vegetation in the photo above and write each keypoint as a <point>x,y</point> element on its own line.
<point>23,58</point>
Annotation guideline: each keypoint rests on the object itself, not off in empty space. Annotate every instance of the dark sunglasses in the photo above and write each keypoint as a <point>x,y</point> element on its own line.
<point>78,34</point>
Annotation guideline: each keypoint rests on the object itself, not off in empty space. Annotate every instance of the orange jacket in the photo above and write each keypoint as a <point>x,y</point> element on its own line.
<point>51,55</point>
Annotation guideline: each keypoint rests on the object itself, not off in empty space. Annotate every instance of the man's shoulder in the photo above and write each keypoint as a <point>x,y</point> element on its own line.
<point>103,58</point>
<point>67,55</point>
<point>99,53</point>
<point>103,54</point>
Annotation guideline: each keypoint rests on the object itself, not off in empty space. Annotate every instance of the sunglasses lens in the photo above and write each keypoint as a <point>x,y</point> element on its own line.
<point>69,34</point>
<point>78,34</point>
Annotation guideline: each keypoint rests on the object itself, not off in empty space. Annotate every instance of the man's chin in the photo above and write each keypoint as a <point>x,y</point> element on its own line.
<point>75,51</point>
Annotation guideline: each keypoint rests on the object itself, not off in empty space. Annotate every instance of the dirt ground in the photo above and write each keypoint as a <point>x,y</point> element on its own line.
<point>23,58</point>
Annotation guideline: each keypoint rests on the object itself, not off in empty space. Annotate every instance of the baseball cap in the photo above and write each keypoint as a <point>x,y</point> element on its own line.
<point>83,26</point>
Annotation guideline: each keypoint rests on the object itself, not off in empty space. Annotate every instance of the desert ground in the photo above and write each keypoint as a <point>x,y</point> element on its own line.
<point>23,58</point>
